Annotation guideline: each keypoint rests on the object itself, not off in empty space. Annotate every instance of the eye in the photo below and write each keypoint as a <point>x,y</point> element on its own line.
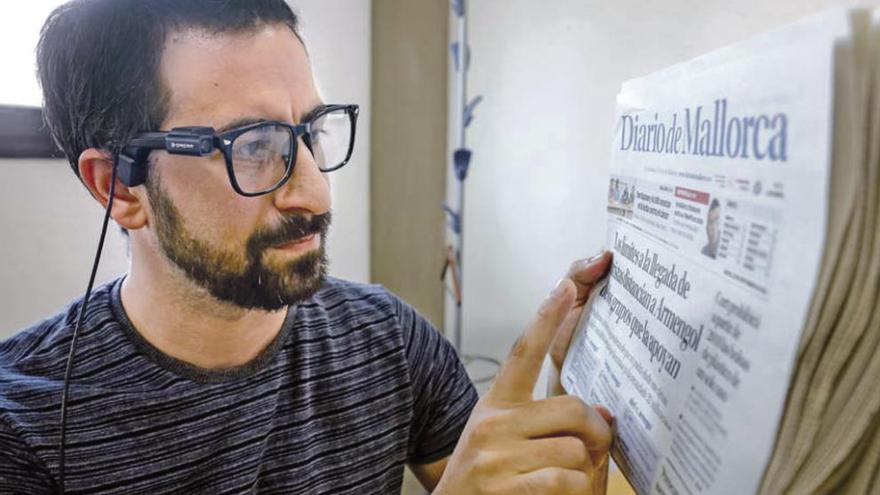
<point>256,149</point>
<point>316,133</point>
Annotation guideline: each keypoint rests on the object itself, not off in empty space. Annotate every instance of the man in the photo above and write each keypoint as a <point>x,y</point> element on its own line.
<point>225,361</point>
<point>713,230</point>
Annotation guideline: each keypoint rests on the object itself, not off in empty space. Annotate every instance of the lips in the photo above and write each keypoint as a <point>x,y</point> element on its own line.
<point>299,242</point>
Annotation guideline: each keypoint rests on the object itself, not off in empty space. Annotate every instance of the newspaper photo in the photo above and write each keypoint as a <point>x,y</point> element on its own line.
<point>717,210</point>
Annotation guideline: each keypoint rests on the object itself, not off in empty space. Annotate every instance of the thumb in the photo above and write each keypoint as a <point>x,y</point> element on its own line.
<point>518,375</point>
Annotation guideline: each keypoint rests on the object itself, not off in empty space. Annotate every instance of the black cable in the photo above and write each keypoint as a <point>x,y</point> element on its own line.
<point>79,322</point>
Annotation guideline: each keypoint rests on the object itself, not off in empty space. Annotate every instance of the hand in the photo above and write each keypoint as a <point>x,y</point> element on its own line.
<point>514,445</point>
<point>585,274</point>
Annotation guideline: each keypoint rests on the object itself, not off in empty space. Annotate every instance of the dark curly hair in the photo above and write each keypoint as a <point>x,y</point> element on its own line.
<point>98,63</point>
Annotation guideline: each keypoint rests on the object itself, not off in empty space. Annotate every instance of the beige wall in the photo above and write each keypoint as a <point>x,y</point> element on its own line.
<point>408,173</point>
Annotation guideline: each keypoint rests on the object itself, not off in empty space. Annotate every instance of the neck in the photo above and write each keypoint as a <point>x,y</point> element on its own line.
<point>186,322</point>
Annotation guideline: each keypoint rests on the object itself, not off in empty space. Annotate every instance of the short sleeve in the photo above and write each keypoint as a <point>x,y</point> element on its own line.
<point>21,471</point>
<point>443,395</point>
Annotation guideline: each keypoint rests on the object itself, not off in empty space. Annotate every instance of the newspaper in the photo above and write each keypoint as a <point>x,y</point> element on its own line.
<point>717,203</point>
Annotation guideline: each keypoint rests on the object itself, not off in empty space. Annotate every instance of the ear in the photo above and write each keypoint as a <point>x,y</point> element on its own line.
<point>95,171</point>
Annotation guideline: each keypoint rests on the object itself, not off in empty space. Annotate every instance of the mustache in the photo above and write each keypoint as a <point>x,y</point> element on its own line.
<point>292,228</point>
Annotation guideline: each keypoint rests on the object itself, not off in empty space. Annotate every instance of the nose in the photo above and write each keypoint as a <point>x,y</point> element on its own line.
<point>308,190</point>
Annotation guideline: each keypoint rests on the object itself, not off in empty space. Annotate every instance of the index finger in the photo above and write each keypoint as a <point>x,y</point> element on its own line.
<point>586,272</point>
<point>517,377</point>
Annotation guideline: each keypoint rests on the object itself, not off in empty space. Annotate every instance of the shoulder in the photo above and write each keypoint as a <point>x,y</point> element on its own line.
<point>41,349</point>
<point>40,339</point>
<point>350,304</point>
<point>32,365</point>
<point>343,300</point>
<point>345,295</point>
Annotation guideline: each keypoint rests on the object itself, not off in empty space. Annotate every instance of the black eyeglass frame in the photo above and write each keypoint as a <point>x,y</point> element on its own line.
<point>202,141</point>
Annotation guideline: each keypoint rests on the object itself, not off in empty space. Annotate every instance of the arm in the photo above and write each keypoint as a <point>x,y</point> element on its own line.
<point>443,395</point>
<point>429,474</point>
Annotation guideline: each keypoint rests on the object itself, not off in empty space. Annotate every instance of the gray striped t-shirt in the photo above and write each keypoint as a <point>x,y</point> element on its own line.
<point>355,385</point>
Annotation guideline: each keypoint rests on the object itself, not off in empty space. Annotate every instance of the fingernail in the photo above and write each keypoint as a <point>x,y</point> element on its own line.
<point>605,413</point>
<point>596,257</point>
<point>559,290</point>
<point>586,263</point>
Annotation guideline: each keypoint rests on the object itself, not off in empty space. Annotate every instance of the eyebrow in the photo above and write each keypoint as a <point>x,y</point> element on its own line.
<point>244,121</point>
<point>239,123</point>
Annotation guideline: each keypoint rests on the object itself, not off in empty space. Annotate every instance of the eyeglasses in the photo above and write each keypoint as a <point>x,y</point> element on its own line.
<point>260,156</point>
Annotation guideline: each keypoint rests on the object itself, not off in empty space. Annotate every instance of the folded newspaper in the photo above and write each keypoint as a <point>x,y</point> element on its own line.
<point>737,337</point>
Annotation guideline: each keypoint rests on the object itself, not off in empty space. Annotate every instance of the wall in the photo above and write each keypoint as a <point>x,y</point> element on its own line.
<point>50,224</point>
<point>50,229</point>
<point>337,33</point>
<point>409,150</point>
<point>541,139</point>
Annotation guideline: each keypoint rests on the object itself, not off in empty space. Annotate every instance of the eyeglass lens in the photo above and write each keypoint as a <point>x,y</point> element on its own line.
<point>331,137</point>
<point>261,156</point>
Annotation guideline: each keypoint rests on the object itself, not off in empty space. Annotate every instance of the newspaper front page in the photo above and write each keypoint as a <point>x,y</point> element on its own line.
<point>717,213</point>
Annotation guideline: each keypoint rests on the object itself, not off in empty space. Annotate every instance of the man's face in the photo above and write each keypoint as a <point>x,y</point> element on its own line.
<point>260,252</point>
<point>712,230</point>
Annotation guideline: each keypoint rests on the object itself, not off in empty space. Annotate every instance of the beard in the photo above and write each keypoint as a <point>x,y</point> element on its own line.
<point>244,279</point>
